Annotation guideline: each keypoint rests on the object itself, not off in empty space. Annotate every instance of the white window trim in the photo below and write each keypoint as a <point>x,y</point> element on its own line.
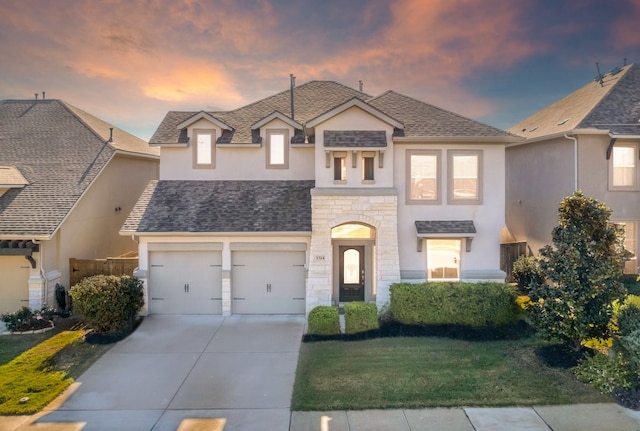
<point>285,134</point>
<point>408,199</point>
<point>451,200</point>
<point>212,133</point>
<point>633,187</point>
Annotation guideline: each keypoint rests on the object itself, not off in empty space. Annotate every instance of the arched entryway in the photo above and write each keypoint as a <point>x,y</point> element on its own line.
<point>353,250</point>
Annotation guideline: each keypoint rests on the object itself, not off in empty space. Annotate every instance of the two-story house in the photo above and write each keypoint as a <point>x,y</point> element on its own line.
<point>317,195</point>
<point>68,180</point>
<point>586,141</point>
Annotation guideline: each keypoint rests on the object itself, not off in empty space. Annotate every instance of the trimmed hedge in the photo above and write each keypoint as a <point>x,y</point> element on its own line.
<point>108,304</point>
<point>360,317</point>
<point>442,303</point>
<point>324,320</point>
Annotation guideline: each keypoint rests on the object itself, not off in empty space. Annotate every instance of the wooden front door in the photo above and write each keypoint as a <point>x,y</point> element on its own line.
<point>352,272</point>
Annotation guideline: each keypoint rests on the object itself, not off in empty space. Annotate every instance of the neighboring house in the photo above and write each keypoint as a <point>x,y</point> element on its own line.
<point>269,209</point>
<point>586,141</point>
<point>67,182</point>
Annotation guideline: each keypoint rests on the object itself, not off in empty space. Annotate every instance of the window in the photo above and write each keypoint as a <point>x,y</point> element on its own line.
<point>623,170</point>
<point>203,149</point>
<point>277,149</point>
<point>423,182</point>
<point>340,166</point>
<point>630,244</point>
<point>443,259</point>
<point>465,177</point>
<point>368,159</point>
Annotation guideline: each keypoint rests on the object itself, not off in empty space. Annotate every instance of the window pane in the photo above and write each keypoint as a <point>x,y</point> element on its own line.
<point>203,156</point>
<point>624,166</point>
<point>351,268</point>
<point>443,259</point>
<point>424,176</point>
<point>339,169</point>
<point>465,176</point>
<point>367,173</point>
<point>276,148</point>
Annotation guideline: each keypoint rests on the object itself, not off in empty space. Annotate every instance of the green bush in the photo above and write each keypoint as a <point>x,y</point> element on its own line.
<point>27,319</point>
<point>631,283</point>
<point>526,271</point>
<point>324,320</point>
<point>360,317</point>
<point>108,304</point>
<point>469,304</point>
<point>604,373</point>
<point>628,318</point>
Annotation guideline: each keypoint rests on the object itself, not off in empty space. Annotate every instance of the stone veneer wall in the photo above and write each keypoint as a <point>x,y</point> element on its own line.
<point>333,207</point>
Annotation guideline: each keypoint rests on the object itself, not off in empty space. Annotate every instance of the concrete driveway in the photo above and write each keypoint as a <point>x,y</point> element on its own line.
<point>190,372</point>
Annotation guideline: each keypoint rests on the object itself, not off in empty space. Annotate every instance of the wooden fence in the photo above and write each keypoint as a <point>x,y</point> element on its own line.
<point>509,253</point>
<point>80,268</point>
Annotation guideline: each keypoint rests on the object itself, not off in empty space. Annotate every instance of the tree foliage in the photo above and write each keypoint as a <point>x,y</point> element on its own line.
<point>583,273</point>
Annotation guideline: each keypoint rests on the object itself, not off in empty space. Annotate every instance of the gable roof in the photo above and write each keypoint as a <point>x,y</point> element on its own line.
<point>613,106</point>
<point>314,100</point>
<point>222,206</point>
<point>350,104</point>
<point>60,150</point>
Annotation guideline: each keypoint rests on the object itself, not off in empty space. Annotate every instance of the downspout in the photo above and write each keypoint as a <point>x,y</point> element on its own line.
<point>42,274</point>
<point>575,160</point>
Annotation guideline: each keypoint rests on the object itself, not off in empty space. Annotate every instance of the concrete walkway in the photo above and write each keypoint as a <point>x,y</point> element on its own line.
<point>236,374</point>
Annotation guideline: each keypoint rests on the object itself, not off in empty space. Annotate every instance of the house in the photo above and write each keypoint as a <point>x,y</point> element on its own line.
<point>317,195</point>
<point>586,141</point>
<point>67,182</point>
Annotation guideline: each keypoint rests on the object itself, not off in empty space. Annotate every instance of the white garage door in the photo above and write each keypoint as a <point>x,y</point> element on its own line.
<point>14,286</point>
<point>185,282</point>
<point>268,282</point>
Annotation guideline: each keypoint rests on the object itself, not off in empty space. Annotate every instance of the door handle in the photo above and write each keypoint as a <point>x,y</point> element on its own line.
<point>269,287</point>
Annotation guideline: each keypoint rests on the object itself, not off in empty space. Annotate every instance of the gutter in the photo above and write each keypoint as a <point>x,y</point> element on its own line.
<point>476,139</point>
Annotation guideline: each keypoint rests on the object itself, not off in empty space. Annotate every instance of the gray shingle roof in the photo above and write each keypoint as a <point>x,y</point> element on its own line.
<point>60,150</point>
<point>425,227</point>
<point>355,138</point>
<point>222,206</point>
<point>318,97</point>
<point>614,106</point>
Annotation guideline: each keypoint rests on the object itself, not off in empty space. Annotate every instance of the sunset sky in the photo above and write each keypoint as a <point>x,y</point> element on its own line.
<point>130,61</point>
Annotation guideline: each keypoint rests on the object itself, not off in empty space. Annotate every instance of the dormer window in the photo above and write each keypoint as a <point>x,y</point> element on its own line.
<point>277,149</point>
<point>204,148</point>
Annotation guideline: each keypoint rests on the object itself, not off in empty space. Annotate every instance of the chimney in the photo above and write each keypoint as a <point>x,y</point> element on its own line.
<point>293,84</point>
<point>36,96</point>
<point>43,95</point>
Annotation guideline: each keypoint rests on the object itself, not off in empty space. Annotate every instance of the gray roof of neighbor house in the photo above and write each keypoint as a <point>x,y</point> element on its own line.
<point>60,150</point>
<point>613,105</point>
<point>222,206</point>
<point>315,98</point>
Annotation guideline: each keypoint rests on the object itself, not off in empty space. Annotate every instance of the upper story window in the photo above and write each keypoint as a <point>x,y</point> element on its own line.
<point>277,149</point>
<point>340,166</point>
<point>368,166</point>
<point>204,148</point>
<point>464,177</point>
<point>423,176</point>
<point>623,167</point>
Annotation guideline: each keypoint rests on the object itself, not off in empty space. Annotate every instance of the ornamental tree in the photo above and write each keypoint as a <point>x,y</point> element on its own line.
<point>583,273</point>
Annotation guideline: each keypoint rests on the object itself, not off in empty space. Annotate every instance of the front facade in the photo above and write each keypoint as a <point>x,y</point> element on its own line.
<point>587,141</point>
<point>272,210</point>
<point>67,183</point>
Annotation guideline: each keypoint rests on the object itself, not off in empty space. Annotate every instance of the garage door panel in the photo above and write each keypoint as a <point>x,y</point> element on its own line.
<point>14,290</point>
<point>185,282</point>
<point>268,282</point>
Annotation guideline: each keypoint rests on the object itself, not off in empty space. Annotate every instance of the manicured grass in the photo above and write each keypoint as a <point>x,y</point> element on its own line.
<point>40,366</point>
<point>413,372</point>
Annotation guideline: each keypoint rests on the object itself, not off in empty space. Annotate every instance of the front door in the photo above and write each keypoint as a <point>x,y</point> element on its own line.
<point>352,272</point>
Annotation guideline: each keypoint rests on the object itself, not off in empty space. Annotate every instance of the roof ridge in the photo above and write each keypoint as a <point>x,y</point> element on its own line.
<point>69,107</point>
<point>625,72</point>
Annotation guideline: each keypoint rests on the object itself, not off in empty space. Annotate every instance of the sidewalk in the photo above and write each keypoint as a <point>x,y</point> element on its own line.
<point>580,417</point>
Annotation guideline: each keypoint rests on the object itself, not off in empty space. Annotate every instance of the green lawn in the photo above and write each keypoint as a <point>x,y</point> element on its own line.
<point>413,372</point>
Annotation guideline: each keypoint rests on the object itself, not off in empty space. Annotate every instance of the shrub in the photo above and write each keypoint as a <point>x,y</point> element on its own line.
<point>526,271</point>
<point>324,320</point>
<point>631,283</point>
<point>628,318</point>
<point>604,373</point>
<point>470,304</point>
<point>108,304</point>
<point>27,319</point>
<point>360,317</point>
